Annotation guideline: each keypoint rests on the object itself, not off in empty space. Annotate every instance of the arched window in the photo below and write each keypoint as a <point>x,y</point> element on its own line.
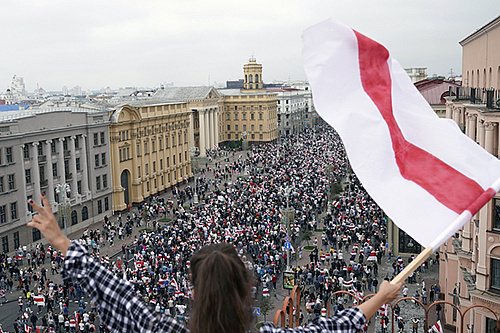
<point>490,86</point>
<point>246,78</point>
<point>250,78</point>
<point>85,213</point>
<point>256,78</point>
<point>74,217</point>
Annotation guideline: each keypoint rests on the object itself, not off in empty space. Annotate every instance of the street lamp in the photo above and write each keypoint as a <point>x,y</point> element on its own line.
<point>194,152</point>
<point>63,191</point>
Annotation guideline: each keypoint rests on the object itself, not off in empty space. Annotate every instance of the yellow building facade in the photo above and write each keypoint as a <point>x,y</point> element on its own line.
<point>149,145</point>
<point>251,111</point>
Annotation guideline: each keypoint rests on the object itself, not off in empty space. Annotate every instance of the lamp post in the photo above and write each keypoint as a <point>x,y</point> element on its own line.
<point>194,151</point>
<point>63,190</point>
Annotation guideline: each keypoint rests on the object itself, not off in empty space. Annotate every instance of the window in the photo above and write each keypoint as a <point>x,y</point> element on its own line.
<point>260,127</point>
<point>52,147</point>
<point>96,159</point>
<point>77,162</point>
<point>228,127</point>
<point>85,213</point>
<point>139,171</point>
<point>235,116</point>
<point>102,138</point>
<point>36,235</point>
<point>13,211</point>
<point>145,148</point>
<point>99,207</point>
<point>106,204</point>
<point>168,162</point>
<point>65,144</point>
<point>74,217</point>
<point>147,186</point>
<point>30,208</point>
<point>26,152</point>
<point>166,142</point>
<point>66,167</point>
<point>17,243</point>
<point>138,149</point>
<point>252,127</point>
<point>54,169</point>
<point>495,274</point>
<point>160,144</point>
<point>42,173</point>
<point>161,164</point>
<point>180,157</point>
<point>228,116</point>
<point>8,154</point>
<point>496,220</point>
<point>261,136</point>
<point>154,166</point>
<point>27,174</point>
<point>260,116</point>
<point>98,182</point>
<point>3,214</point>
<point>77,143</point>
<point>153,146</point>
<point>173,160</point>
<point>96,139</point>
<point>5,244</point>
<point>236,136</point>
<point>236,107</point>
<point>491,325</point>
<point>252,116</point>
<point>244,127</point>
<point>12,184</point>
<point>253,136</point>
<point>104,181</point>
<point>146,168</point>
<point>236,127</point>
<point>229,136</point>
<point>79,186</point>
<point>244,116</point>
<point>103,157</point>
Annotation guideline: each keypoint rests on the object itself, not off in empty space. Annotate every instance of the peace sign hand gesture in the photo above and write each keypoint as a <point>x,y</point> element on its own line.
<point>46,222</point>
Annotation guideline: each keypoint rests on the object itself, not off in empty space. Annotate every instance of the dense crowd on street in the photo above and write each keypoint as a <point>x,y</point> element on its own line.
<point>243,200</point>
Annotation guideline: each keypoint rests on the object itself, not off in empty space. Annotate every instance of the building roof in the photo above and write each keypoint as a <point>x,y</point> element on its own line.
<point>238,92</point>
<point>13,107</point>
<point>183,93</point>
<point>14,115</point>
<point>488,26</point>
<point>434,90</point>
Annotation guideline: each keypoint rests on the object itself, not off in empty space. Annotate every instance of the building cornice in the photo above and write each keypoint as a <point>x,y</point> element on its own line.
<point>481,31</point>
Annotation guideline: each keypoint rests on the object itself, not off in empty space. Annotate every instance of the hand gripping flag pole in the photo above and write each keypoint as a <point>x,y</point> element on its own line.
<point>427,176</point>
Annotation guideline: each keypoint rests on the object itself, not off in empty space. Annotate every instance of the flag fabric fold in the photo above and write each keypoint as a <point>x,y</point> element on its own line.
<point>423,171</point>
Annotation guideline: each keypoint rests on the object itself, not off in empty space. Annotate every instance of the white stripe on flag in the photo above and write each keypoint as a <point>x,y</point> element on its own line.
<point>333,61</point>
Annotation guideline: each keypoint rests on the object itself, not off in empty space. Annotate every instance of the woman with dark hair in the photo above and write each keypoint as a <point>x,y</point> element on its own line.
<point>222,302</point>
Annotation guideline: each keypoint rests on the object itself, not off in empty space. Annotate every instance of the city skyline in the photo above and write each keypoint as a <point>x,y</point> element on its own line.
<point>120,44</point>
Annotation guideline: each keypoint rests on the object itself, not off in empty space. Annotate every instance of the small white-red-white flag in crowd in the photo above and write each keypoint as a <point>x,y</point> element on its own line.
<point>265,292</point>
<point>39,300</point>
<point>347,284</point>
<point>383,310</point>
<point>422,171</point>
<point>372,256</point>
<point>437,327</point>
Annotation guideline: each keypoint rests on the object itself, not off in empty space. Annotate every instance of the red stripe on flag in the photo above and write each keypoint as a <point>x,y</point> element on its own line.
<point>450,187</point>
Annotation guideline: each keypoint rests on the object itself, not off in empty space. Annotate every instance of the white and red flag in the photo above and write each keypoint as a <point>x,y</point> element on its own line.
<point>423,171</point>
<point>437,327</point>
<point>383,310</point>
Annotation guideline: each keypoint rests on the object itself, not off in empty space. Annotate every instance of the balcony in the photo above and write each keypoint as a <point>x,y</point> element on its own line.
<point>490,97</point>
<point>42,158</point>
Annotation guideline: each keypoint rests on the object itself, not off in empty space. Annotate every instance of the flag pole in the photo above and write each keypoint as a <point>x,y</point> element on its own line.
<point>413,265</point>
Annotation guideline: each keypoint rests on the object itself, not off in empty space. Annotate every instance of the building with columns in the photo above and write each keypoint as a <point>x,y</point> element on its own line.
<point>250,111</point>
<point>205,116</point>
<point>40,151</point>
<point>470,261</point>
<point>150,143</point>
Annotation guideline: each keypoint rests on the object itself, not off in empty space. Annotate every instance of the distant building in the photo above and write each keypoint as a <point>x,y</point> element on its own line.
<point>206,116</point>
<point>149,145</point>
<point>250,111</point>
<point>416,74</point>
<point>435,90</point>
<point>291,110</point>
<point>238,84</point>
<point>43,148</point>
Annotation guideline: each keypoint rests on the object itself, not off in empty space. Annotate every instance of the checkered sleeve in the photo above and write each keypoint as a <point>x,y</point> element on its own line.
<point>119,308</point>
<point>350,320</point>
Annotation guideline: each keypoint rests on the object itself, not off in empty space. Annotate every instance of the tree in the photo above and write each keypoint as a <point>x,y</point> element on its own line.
<point>306,235</point>
<point>266,305</point>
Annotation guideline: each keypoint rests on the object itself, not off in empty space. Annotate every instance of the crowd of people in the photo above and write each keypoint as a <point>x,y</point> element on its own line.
<point>245,199</point>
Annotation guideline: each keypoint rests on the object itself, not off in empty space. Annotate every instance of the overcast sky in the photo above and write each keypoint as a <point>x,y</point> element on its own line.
<point>96,44</point>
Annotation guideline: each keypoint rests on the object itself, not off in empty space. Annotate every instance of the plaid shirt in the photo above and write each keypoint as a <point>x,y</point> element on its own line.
<point>122,311</point>
<point>346,321</point>
<point>119,308</point>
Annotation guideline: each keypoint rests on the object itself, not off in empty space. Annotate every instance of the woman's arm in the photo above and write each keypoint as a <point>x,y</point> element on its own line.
<point>119,308</point>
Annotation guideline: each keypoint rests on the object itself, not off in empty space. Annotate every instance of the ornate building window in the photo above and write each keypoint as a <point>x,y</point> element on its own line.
<point>495,274</point>
<point>496,216</point>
